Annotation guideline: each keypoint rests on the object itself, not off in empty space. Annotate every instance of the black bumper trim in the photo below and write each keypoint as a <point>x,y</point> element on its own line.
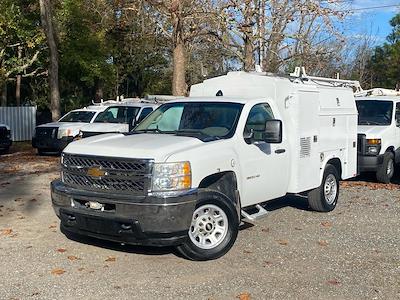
<point>51,144</point>
<point>5,143</point>
<point>121,230</point>
<point>369,163</point>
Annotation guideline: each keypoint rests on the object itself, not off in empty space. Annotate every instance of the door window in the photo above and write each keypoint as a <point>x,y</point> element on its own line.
<point>398,114</point>
<point>144,113</point>
<point>258,115</point>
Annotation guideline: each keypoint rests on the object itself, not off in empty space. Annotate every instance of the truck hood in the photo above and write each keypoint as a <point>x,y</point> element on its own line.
<point>71,125</point>
<point>373,131</point>
<point>105,127</point>
<point>153,146</point>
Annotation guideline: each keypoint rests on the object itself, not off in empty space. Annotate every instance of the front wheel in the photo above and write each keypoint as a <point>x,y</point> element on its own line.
<point>213,230</point>
<point>324,198</point>
<point>386,170</point>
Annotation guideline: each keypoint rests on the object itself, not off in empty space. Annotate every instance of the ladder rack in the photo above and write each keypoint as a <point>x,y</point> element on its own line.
<point>300,72</point>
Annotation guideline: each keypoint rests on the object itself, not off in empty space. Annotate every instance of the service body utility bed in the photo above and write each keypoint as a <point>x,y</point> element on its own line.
<point>186,175</point>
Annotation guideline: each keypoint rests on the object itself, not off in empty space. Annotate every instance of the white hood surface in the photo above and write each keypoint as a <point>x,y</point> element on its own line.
<point>106,127</point>
<point>373,131</point>
<point>71,125</point>
<point>154,146</point>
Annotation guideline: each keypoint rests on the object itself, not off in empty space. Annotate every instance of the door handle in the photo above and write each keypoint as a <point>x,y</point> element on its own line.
<point>279,151</point>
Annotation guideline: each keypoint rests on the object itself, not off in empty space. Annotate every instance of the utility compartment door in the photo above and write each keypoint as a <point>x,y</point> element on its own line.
<point>307,140</point>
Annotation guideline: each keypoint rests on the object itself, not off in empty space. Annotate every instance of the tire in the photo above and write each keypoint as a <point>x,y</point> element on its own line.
<point>385,172</point>
<point>324,198</point>
<point>204,241</point>
<point>40,152</point>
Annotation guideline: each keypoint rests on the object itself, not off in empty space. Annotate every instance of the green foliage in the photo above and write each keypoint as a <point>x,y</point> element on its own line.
<point>385,61</point>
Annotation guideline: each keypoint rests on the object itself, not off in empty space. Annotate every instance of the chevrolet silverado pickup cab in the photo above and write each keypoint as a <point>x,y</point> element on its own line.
<point>379,132</point>
<point>190,172</point>
<point>117,118</point>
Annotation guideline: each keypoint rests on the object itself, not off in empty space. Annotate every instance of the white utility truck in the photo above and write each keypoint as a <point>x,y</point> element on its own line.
<point>119,117</point>
<point>378,132</point>
<point>55,136</point>
<point>194,168</point>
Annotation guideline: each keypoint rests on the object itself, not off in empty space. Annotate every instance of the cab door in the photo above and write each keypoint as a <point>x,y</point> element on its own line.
<point>264,166</point>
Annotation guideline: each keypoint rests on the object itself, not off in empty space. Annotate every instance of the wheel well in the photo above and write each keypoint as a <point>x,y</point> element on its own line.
<point>337,164</point>
<point>225,183</point>
<point>390,149</point>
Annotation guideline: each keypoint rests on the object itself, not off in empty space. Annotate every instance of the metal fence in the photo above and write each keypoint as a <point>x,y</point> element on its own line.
<point>22,121</point>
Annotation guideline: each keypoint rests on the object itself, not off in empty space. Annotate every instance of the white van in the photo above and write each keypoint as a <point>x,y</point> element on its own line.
<point>378,132</point>
<point>195,167</point>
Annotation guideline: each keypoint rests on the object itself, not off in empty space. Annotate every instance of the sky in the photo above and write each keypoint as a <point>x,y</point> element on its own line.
<point>374,22</point>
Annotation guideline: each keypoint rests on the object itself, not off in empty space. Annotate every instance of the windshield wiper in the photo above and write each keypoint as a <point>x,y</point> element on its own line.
<point>198,134</point>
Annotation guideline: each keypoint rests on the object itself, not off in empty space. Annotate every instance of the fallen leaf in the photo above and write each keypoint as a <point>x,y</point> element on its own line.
<point>73,257</point>
<point>57,271</point>
<point>247,251</point>
<point>333,282</point>
<point>243,296</point>
<point>117,287</point>
<point>298,228</point>
<point>81,269</point>
<point>61,250</point>
<point>326,224</point>
<point>7,231</point>
<point>21,217</point>
<point>265,229</point>
<point>323,243</point>
<point>111,258</point>
<point>283,242</point>
<point>52,226</point>
<point>33,200</point>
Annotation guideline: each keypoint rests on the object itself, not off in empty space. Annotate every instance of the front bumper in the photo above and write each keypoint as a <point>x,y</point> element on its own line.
<point>151,220</point>
<point>5,143</point>
<point>51,144</point>
<point>369,163</point>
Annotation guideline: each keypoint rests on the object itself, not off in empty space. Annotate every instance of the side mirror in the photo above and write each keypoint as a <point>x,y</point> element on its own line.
<point>273,132</point>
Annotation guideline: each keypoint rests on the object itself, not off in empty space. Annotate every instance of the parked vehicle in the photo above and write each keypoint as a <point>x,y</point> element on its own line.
<point>378,132</point>
<point>5,138</point>
<point>118,118</point>
<point>55,136</point>
<point>194,168</point>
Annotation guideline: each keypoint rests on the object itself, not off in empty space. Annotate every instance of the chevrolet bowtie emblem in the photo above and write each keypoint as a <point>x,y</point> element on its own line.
<point>96,172</point>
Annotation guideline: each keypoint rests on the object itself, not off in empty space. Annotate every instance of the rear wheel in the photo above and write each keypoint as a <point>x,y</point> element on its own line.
<point>386,170</point>
<point>324,198</point>
<point>213,229</point>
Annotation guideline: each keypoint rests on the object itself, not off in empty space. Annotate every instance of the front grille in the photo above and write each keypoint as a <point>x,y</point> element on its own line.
<point>3,132</point>
<point>46,132</point>
<point>118,175</point>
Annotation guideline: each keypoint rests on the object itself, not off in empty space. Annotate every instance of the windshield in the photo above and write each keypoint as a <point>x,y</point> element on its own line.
<point>374,112</point>
<point>203,120</point>
<point>78,116</point>
<point>117,114</point>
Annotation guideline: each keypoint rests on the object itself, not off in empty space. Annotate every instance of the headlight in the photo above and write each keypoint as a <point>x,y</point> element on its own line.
<point>373,146</point>
<point>64,132</point>
<point>8,134</point>
<point>171,176</point>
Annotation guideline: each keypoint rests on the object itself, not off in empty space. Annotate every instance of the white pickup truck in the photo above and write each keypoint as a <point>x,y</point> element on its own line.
<point>121,117</point>
<point>378,132</point>
<point>194,168</point>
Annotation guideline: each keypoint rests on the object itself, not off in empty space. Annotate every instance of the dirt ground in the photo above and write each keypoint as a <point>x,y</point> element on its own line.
<point>293,253</point>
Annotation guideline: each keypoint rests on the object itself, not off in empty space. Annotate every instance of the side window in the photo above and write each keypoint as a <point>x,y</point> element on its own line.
<point>144,113</point>
<point>398,114</point>
<point>258,115</point>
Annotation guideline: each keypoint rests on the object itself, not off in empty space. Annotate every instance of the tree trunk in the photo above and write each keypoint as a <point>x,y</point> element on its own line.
<point>4,95</point>
<point>46,16</point>
<point>99,90</point>
<point>248,37</point>
<point>179,86</point>
<point>18,82</point>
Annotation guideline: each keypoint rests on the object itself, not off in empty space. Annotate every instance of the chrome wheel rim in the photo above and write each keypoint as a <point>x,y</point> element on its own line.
<point>390,167</point>
<point>209,226</point>
<point>330,189</point>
